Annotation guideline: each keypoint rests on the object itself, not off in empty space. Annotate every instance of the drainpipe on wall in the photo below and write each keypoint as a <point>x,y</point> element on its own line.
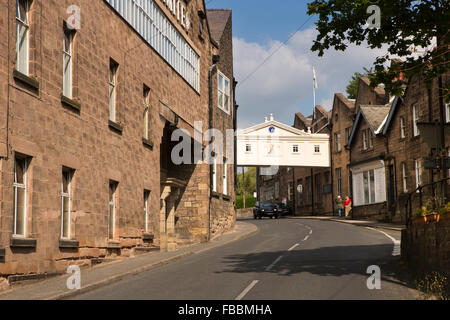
<point>212,69</point>
<point>333,208</point>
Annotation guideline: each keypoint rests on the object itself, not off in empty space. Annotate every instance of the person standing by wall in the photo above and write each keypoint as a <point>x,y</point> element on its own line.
<point>339,205</point>
<point>347,205</point>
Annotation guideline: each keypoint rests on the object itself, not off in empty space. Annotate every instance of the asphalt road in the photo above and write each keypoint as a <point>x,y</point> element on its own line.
<point>288,259</point>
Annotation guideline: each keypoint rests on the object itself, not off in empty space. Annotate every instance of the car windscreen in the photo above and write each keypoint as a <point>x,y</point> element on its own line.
<point>267,205</point>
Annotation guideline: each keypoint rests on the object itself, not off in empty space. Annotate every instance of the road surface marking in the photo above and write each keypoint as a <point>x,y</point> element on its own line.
<point>306,238</point>
<point>293,247</point>
<point>397,249</point>
<point>244,293</point>
<point>274,263</point>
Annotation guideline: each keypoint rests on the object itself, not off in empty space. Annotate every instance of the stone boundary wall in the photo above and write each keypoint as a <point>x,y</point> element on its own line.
<point>245,213</point>
<point>426,247</point>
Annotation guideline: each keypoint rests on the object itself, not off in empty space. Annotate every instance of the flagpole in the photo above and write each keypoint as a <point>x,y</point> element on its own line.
<point>314,94</point>
<point>314,90</point>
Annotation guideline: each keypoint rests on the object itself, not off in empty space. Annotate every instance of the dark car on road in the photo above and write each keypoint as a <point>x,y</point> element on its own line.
<point>265,209</point>
<point>284,210</point>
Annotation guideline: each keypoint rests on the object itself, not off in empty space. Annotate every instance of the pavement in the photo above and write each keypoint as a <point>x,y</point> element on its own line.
<point>105,274</point>
<point>360,223</point>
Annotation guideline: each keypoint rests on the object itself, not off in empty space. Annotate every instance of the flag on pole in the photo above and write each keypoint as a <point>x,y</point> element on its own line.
<point>315,79</point>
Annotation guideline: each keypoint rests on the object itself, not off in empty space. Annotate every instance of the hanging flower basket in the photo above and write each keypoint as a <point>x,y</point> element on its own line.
<point>434,217</point>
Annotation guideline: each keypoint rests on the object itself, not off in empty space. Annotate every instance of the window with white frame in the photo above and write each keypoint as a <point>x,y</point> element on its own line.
<point>225,177</point>
<point>146,210</point>
<point>22,35</point>
<point>402,128</point>
<point>146,101</point>
<point>339,181</point>
<point>415,114</point>
<point>348,132</point>
<point>20,196</point>
<point>214,175</point>
<point>370,135</point>
<point>337,142</point>
<point>405,178</point>
<point>224,92</point>
<point>113,66</point>
<point>369,186</point>
<point>66,202</point>
<point>317,149</point>
<point>154,26</point>
<point>248,148</point>
<point>364,138</point>
<point>112,209</point>
<point>67,62</point>
<point>295,148</point>
<point>447,112</point>
<point>418,168</point>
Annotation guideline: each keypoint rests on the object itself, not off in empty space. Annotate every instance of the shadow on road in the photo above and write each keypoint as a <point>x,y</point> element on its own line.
<point>325,261</point>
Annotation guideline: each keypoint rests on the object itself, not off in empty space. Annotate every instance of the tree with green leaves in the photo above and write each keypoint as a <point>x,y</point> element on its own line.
<point>352,88</point>
<point>406,27</point>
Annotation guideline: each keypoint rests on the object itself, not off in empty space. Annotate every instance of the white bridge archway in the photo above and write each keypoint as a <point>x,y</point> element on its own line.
<point>274,144</point>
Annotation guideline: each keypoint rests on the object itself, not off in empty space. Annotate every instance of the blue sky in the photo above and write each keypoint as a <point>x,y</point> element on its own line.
<point>283,85</point>
<point>258,20</point>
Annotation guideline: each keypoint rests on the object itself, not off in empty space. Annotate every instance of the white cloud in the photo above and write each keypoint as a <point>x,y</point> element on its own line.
<point>283,85</point>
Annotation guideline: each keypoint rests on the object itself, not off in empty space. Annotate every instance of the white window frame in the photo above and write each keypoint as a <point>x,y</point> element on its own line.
<point>146,97</point>
<point>22,24</point>
<point>364,137</point>
<point>24,186</point>
<point>224,93</point>
<point>418,170</point>
<point>146,211</point>
<point>415,114</point>
<point>316,148</point>
<point>225,177</point>
<point>447,112</point>
<point>348,132</point>
<point>214,175</point>
<point>337,142</point>
<point>295,149</point>
<point>69,196</point>
<point>404,178</point>
<point>339,181</point>
<point>370,135</point>
<point>112,80</point>
<point>402,128</point>
<point>371,197</point>
<point>112,215</point>
<point>67,60</point>
<point>248,148</point>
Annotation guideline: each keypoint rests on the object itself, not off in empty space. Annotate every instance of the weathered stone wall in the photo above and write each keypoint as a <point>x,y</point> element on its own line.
<point>54,135</point>
<point>222,204</point>
<point>426,247</point>
<point>342,119</point>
